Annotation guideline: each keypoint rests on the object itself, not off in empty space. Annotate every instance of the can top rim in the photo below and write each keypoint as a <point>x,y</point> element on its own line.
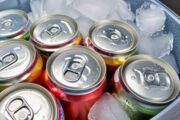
<point>45,19</point>
<point>32,54</point>
<point>77,90</point>
<point>30,86</point>
<point>121,25</point>
<point>21,28</point>
<point>171,72</point>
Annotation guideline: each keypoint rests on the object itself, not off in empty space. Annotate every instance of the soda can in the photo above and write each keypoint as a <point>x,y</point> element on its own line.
<point>115,41</point>
<point>77,76</point>
<point>19,62</point>
<point>145,85</point>
<point>14,24</point>
<point>53,32</point>
<point>27,101</point>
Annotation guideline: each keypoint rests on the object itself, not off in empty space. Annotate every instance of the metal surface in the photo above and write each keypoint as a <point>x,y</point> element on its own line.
<point>16,57</point>
<point>12,23</point>
<point>172,24</point>
<point>28,102</point>
<point>54,30</point>
<point>113,37</point>
<point>76,69</point>
<point>150,79</point>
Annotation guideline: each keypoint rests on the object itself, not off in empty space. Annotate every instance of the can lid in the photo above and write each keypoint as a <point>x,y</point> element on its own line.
<point>76,69</point>
<point>149,78</point>
<point>113,37</point>
<point>27,102</point>
<point>54,30</point>
<point>12,22</point>
<point>16,56</point>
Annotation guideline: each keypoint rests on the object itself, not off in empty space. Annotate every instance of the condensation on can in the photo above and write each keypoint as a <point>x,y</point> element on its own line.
<point>53,32</point>
<point>31,102</point>
<point>19,62</point>
<point>14,24</point>
<point>114,40</point>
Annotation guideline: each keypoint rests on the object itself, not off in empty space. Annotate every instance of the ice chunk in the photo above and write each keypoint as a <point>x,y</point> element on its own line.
<point>2,117</point>
<point>150,18</point>
<point>84,25</point>
<point>158,45</point>
<point>171,60</point>
<point>114,16</point>
<point>107,108</point>
<point>31,17</point>
<point>69,2</point>
<point>55,6</point>
<point>71,12</point>
<point>62,7</point>
<point>94,9</point>
<point>123,10</point>
<point>37,8</point>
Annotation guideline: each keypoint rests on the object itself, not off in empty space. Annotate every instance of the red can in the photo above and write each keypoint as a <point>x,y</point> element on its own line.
<point>54,32</point>
<point>77,76</point>
<point>19,62</point>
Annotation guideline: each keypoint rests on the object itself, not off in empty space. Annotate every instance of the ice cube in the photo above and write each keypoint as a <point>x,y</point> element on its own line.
<point>158,45</point>
<point>2,117</point>
<point>123,10</point>
<point>107,108</point>
<point>62,7</point>
<point>171,60</point>
<point>69,2</point>
<point>31,17</point>
<point>114,16</point>
<point>84,25</point>
<point>71,12</point>
<point>94,9</point>
<point>150,18</point>
<point>37,7</point>
<point>55,6</point>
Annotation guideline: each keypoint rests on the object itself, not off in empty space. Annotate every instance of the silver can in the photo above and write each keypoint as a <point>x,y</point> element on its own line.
<point>76,70</point>
<point>27,101</point>
<point>114,40</point>
<point>147,85</point>
<point>53,32</point>
<point>19,62</point>
<point>77,76</point>
<point>14,24</point>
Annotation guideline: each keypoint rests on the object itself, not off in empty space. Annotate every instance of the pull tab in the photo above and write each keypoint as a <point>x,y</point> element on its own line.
<point>18,109</point>
<point>114,34</point>
<point>53,30</point>
<point>7,24</point>
<point>7,60</point>
<point>74,68</point>
<point>150,76</point>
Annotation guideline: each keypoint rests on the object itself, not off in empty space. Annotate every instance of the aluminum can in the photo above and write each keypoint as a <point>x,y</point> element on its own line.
<point>77,76</point>
<point>115,41</point>
<point>27,101</point>
<point>14,24</point>
<point>53,32</point>
<point>19,62</point>
<point>145,85</point>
